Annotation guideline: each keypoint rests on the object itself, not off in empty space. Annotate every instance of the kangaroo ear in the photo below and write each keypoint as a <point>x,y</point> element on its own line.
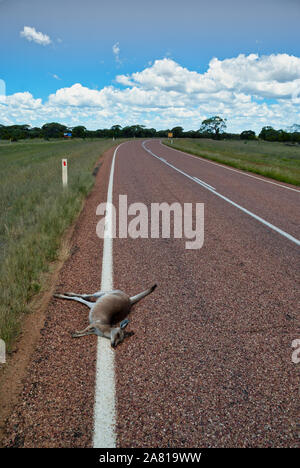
<point>124,324</point>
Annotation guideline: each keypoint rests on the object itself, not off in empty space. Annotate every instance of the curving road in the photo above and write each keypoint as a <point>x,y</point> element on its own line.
<point>210,363</point>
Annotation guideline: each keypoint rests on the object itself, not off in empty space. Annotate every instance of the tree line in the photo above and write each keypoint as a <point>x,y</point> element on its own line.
<point>214,127</point>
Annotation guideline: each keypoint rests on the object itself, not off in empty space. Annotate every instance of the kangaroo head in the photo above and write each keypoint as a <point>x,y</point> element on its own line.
<point>116,336</point>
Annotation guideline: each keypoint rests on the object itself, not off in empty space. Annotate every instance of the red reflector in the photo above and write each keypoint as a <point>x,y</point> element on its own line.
<point>65,163</point>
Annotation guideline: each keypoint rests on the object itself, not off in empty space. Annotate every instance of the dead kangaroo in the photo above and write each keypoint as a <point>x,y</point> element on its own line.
<point>110,308</point>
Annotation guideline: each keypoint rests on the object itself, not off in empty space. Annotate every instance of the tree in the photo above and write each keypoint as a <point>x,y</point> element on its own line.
<point>295,128</point>
<point>53,130</point>
<point>162,133</point>
<point>213,126</point>
<point>133,131</point>
<point>14,132</point>
<point>248,135</point>
<point>35,132</point>
<point>177,132</point>
<point>138,130</point>
<point>116,131</point>
<point>149,132</point>
<point>191,134</point>
<point>269,134</point>
<point>79,132</point>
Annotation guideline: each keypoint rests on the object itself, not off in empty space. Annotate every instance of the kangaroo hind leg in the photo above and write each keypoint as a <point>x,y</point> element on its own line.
<point>78,299</point>
<point>89,330</point>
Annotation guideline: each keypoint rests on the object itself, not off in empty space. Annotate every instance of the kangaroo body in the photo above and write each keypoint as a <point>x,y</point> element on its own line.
<point>110,308</point>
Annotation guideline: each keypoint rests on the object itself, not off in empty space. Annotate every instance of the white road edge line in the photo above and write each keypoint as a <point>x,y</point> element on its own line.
<point>230,168</point>
<point>105,392</point>
<point>258,218</point>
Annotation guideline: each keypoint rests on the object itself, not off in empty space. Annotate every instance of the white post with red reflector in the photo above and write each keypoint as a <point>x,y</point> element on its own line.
<point>64,172</point>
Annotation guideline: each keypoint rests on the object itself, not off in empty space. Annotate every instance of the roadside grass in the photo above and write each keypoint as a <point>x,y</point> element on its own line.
<point>35,211</point>
<point>271,159</point>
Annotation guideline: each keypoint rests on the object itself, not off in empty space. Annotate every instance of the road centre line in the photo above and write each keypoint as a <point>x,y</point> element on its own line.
<point>105,392</point>
<point>204,183</point>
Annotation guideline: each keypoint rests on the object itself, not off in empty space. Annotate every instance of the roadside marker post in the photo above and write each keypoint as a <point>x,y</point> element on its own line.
<point>64,172</point>
<point>2,352</point>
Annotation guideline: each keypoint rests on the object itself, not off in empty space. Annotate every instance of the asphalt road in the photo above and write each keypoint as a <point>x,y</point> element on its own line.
<point>210,361</point>
<point>210,364</point>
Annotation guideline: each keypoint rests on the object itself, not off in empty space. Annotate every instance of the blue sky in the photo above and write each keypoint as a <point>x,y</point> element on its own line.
<point>92,43</point>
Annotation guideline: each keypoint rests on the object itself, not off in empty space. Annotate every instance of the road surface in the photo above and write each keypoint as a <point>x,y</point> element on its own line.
<point>210,361</point>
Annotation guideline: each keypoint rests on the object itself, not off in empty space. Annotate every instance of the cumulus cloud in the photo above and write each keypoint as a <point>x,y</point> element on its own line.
<point>274,76</point>
<point>31,34</point>
<point>166,94</point>
<point>76,96</point>
<point>23,101</point>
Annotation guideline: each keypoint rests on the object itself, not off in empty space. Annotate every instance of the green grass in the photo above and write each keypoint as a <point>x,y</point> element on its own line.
<point>275,160</point>
<point>34,213</point>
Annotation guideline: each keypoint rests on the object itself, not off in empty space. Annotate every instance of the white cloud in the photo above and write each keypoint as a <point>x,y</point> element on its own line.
<point>274,76</point>
<point>76,96</point>
<point>116,52</point>
<point>31,34</point>
<point>116,48</point>
<point>23,101</point>
<point>166,94</point>
<point>2,89</point>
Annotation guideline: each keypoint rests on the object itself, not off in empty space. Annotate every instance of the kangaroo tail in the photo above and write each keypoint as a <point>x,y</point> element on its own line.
<point>138,297</point>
